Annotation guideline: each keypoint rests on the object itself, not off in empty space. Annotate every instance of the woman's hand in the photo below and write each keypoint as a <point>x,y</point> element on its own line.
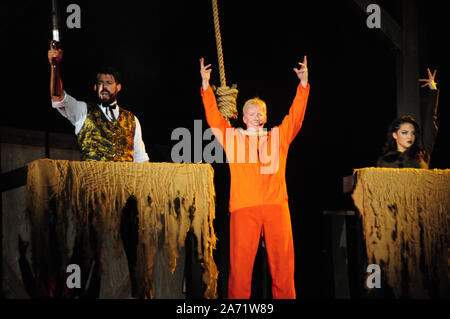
<point>430,81</point>
<point>302,73</point>
<point>205,72</point>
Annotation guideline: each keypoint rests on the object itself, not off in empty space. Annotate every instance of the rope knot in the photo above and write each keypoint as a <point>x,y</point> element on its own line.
<point>226,101</point>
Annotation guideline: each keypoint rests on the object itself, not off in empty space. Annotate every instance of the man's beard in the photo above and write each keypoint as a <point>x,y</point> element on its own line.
<point>106,102</point>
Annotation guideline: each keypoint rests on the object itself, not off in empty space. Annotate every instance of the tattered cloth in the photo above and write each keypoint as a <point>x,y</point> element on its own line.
<point>171,199</point>
<point>405,222</point>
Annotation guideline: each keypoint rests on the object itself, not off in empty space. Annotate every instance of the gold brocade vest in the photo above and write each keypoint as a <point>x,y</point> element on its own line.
<point>102,140</point>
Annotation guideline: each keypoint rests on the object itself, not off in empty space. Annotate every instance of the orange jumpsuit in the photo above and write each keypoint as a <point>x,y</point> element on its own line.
<point>258,196</point>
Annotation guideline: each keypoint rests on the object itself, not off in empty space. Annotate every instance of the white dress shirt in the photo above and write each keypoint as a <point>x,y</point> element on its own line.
<point>76,112</point>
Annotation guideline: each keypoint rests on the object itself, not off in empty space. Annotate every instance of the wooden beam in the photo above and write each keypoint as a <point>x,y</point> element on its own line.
<point>13,179</point>
<point>390,29</point>
<point>408,101</point>
<point>11,135</point>
<point>404,39</point>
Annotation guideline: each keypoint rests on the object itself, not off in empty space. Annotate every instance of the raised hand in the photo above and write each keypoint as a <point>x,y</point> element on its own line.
<point>430,81</point>
<point>55,78</point>
<point>53,53</point>
<point>302,73</point>
<point>205,72</point>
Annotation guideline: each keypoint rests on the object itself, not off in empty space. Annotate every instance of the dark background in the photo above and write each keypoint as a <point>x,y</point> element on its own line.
<point>156,46</point>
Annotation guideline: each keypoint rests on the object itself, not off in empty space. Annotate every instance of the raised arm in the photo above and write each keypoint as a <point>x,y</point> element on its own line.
<point>430,101</point>
<point>75,111</point>
<point>302,73</point>
<point>57,55</point>
<point>214,118</point>
<point>205,73</point>
<point>293,121</point>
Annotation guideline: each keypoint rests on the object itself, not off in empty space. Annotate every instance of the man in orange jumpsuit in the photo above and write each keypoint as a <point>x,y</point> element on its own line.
<point>258,194</point>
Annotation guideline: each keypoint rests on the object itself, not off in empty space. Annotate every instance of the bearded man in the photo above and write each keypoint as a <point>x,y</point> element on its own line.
<point>105,131</point>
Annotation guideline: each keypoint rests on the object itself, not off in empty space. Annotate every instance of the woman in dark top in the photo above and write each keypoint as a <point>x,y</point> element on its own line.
<point>406,146</point>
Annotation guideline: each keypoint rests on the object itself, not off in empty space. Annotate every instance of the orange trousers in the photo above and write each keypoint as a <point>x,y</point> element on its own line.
<point>246,226</point>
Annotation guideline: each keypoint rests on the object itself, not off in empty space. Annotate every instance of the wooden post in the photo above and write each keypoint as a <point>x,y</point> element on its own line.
<point>409,60</point>
<point>403,39</point>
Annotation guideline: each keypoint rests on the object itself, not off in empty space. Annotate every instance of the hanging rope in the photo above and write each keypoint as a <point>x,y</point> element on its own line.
<point>226,96</point>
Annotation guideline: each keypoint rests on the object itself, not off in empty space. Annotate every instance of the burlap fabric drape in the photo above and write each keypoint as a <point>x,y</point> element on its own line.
<point>405,216</point>
<point>171,199</point>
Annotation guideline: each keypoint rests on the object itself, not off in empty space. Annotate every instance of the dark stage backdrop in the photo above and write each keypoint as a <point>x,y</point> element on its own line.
<point>156,45</point>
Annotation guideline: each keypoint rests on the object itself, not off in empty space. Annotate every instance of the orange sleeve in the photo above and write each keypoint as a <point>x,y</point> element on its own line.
<point>215,119</point>
<point>293,121</point>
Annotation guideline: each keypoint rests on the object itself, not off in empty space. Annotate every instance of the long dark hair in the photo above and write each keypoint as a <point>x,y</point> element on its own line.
<point>415,149</point>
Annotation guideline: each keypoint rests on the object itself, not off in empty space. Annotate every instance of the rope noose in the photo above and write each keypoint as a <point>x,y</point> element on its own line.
<point>226,96</point>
